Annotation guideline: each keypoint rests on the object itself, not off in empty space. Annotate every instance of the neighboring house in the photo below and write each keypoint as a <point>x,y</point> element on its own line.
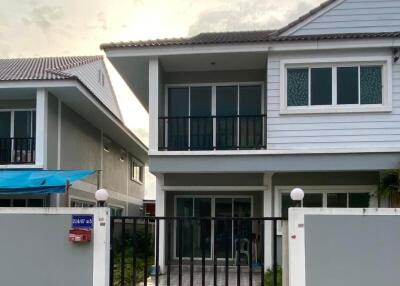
<point>238,119</point>
<point>61,113</point>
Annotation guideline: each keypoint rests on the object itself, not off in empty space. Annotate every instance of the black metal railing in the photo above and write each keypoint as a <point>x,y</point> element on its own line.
<point>212,132</point>
<point>207,250</point>
<point>17,151</point>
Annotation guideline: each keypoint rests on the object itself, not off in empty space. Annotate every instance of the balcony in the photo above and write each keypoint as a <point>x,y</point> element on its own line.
<point>237,132</point>
<point>17,151</point>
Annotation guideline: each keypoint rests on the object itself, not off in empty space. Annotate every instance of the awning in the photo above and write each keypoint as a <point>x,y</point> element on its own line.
<point>38,181</point>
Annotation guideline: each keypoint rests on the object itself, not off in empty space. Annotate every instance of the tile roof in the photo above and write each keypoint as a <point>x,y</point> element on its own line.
<point>200,39</point>
<point>305,16</point>
<point>245,37</point>
<point>49,68</point>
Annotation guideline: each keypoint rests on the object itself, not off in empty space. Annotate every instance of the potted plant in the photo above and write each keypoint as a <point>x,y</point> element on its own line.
<point>390,186</point>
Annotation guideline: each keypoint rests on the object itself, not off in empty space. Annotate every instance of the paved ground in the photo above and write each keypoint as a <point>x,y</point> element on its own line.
<point>209,278</point>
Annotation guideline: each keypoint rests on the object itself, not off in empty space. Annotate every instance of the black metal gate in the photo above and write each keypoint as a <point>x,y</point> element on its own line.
<point>213,250</point>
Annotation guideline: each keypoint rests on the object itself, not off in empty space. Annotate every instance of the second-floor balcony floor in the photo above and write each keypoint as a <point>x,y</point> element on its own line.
<point>228,132</point>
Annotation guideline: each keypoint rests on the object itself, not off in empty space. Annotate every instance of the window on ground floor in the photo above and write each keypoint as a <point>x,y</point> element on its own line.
<point>80,203</point>
<point>330,199</point>
<point>22,202</point>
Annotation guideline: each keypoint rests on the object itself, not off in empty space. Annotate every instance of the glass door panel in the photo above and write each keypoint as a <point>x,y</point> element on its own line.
<point>312,201</point>
<point>226,111</point>
<point>178,125</point>
<point>242,229</point>
<point>251,125</point>
<point>184,208</point>
<point>202,229</point>
<point>5,134</point>
<point>201,123</point>
<point>223,229</point>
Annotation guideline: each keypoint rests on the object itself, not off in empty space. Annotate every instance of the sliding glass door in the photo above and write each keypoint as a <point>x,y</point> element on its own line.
<point>218,237</point>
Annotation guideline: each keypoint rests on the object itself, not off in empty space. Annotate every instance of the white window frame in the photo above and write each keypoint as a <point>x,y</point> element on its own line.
<point>334,63</point>
<point>213,86</point>
<point>12,116</point>
<point>84,200</point>
<point>136,162</point>
<point>324,190</point>
<point>116,206</point>
<point>212,197</point>
<point>25,198</point>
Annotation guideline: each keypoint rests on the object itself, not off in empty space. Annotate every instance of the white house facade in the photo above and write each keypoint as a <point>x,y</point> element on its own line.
<point>238,119</point>
<point>61,113</point>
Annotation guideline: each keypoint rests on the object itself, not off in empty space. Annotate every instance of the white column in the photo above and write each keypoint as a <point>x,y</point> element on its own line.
<point>268,212</point>
<point>41,127</point>
<point>160,212</point>
<point>153,103</point>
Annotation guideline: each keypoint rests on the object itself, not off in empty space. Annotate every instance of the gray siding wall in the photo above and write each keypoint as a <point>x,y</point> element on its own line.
<point>90,75</point>
<point>217,179</point>
<point>80,143</point>
<point>352,16</point>
<point>341,130</point>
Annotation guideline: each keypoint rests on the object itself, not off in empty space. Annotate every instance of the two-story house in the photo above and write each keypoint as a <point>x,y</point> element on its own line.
<point>238,119</point>
<point>61,113</point>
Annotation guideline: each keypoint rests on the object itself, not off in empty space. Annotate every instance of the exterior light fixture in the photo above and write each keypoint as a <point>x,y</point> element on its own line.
<point>101,197</point>
<point>297,195</point>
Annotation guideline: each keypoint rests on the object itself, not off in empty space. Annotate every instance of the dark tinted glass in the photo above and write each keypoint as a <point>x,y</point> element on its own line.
<point>19,203</point>
<point>359,200</point>
<point>337,200</point>
<point>297,87</point>
<point>201,129</point>
<point>178,101</point>
<point>22,124</point>
<point>250,100</point>
<point>178,125</point>
<point>312,201</point>
<point>321,86</point>
<point>347,85</point>
<point>202,229</point>
<point>250,126</point>
<point>287,203</point>
<point>223,229</point>
<point>5,203</point>
<point>36,203</point>
<point>5,123</point>
<point>227,110</point>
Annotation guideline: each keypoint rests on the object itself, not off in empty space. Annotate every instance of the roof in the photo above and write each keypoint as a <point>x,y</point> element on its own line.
<point>200,39</point>
<point>305,16</point>
<point>49,68</point>
<point>262,36</point>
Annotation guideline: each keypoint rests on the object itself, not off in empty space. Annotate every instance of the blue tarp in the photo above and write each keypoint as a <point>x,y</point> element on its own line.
<point>38,182</point>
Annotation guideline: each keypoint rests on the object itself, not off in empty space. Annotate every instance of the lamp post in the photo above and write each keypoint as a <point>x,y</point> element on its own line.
<point>297,195</point>
<point>101,196</point>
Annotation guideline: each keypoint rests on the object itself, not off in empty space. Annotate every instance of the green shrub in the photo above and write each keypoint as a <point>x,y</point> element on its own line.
<point>269,277</point>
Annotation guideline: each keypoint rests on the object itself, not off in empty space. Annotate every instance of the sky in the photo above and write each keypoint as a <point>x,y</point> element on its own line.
<point>77,27</point>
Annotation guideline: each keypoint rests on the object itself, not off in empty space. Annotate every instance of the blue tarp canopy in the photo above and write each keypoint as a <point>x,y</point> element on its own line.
<point>38,181</point>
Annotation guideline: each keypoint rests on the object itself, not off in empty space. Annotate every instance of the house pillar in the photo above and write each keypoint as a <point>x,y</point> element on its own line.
<point>41,127</point>
<point>153,103</point>
<point>160,212</point>
<point>268,212</point>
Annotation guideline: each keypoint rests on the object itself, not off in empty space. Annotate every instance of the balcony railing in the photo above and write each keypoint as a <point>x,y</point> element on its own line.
<point>239,132</point>
<point>17,151</point>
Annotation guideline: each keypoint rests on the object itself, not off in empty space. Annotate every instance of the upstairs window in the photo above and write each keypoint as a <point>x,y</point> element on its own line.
<point>137,171</point>
<point>335,86</point>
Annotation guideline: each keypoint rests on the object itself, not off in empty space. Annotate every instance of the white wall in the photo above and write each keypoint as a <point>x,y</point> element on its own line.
<point>354,16</point>
<point>330,130</point>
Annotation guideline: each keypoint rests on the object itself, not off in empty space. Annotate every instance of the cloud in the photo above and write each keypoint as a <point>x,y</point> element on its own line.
<point>236,15</point>
<point>43,16</point>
